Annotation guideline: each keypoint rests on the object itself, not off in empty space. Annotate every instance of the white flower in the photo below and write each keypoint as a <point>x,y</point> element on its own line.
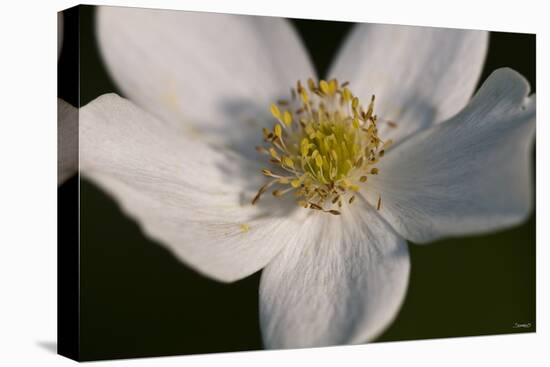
<point>183,163</point>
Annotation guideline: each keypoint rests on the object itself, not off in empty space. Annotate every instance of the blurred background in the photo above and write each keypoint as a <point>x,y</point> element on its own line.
<point>137,300</point>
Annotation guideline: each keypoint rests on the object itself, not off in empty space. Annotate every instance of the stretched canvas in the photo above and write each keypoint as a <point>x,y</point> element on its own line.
<point>237,183</point>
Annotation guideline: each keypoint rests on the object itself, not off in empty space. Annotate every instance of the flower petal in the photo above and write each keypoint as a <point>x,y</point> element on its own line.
<point>343,282</point>
<point>218,72</point>
<point>469,175</point>
<point>420,75</point>
<point>67,141</point>
<point>193,199</point>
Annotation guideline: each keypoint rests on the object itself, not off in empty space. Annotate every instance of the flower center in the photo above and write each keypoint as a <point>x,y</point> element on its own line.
<point>323,146</point>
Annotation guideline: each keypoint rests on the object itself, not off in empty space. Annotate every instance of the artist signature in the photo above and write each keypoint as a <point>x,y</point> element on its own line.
<point>524,325</point>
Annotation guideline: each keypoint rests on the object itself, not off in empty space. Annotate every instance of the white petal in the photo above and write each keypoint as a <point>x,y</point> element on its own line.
<point>67,141</point>
<point>218,72</point>
<point>420,75</point>
<point>469,175</point>
<point>193,199</point>
<point>343,282</point>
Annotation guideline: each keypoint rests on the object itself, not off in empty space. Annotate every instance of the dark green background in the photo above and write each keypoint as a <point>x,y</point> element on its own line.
<point>138,300</point>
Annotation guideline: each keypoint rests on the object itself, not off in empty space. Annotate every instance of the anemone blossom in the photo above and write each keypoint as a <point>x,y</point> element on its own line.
<point>224,158</point>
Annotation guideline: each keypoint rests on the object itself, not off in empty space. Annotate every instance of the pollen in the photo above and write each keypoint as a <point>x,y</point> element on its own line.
<point>323,146</point>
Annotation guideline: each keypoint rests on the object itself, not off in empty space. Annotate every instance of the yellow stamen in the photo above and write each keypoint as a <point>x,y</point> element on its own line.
<point>325,157</point>
<point>273,153</point>
<point>324,87</point>
<point>278,131</point>
<point>245,228</point>
<point>287,118</point>
<point>288,162</point>
<point>275,111</point>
